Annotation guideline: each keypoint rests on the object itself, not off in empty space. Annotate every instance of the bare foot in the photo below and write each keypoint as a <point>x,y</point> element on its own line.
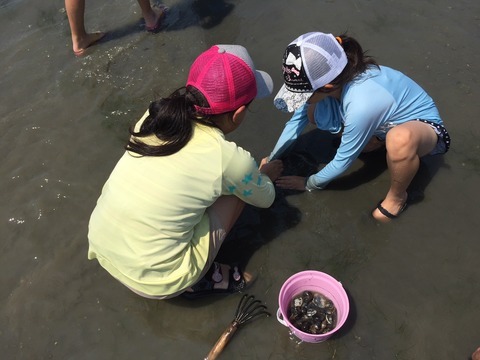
<point>81,45</point>
<point>153,23</point>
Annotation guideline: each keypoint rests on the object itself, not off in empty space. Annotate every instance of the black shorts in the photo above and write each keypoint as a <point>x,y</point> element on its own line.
<point>443,143</point>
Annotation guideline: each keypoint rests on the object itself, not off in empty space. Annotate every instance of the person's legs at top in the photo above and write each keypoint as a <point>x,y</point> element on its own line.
<point>153,19</point>
<point>80,38</point>
<point>476,354</point>
<point>406,144</point>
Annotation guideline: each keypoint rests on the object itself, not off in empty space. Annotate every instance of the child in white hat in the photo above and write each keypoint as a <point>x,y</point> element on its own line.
<point>330,82</point>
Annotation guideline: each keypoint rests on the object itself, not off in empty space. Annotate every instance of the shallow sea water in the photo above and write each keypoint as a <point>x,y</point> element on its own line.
<point>413,285</point>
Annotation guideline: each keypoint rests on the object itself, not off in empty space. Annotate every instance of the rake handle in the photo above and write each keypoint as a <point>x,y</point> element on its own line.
<point>222,341</point>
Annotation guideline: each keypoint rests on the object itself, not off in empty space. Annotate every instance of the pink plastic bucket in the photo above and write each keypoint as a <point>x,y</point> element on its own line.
<point>314,281</point>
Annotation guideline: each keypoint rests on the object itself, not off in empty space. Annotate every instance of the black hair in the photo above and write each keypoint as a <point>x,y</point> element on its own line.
<point>171,120</point>
<point>358,61</point>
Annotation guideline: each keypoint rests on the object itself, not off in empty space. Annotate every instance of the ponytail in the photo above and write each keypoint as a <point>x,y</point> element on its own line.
<point>170,120</point>
<point>358,61</point>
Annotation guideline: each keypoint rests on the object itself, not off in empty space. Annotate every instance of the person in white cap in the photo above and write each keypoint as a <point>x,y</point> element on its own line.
<point>330,82</point>
<point>180,186</point>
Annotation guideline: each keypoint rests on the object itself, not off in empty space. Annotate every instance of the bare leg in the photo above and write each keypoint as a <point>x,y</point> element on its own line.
<point>406,144</point>
<point>80,38</point>
<point>151,17</point>
<point>226,211</point>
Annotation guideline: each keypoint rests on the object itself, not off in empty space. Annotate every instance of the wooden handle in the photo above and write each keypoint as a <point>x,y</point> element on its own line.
<point>222,342</point>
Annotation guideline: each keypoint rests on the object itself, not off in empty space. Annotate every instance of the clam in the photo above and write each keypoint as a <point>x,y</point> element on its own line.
<point>313,313</point>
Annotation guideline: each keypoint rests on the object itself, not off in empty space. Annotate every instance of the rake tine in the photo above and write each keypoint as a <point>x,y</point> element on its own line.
<point>247,309</point>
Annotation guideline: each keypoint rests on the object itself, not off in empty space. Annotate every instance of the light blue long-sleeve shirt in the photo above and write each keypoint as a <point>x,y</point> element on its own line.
<point>373,103</point>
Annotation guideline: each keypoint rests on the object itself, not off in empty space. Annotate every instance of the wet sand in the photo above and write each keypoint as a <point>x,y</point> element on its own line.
<point>413,284</point>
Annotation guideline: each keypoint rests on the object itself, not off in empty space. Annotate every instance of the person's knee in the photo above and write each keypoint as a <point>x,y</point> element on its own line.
<point>399,142</point>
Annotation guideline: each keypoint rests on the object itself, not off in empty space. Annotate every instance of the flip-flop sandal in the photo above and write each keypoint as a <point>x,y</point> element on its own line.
<point>206,286</point>
<point>155,28</point>
<point>387,213</point>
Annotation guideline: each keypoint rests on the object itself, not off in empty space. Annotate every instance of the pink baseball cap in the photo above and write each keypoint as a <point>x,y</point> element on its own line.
<point>226,76</point>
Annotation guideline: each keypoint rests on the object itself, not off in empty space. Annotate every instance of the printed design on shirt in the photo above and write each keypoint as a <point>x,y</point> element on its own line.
<point>247,178</point>
<point>247,192</point>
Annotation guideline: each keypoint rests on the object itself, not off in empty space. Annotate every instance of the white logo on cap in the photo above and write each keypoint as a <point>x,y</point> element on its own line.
<point>292,60</point>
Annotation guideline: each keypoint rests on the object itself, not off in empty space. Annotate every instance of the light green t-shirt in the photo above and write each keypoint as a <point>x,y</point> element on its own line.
<point>150,229</point>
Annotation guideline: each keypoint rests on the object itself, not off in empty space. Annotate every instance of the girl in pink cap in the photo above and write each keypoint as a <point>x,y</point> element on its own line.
<point>180,186</point>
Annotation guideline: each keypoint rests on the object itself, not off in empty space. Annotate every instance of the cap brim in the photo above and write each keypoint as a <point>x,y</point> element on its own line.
<point>264,84</point>
<point>288,101</point>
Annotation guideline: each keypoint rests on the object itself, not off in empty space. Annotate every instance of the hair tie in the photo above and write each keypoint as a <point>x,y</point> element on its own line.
<point>339,39</point>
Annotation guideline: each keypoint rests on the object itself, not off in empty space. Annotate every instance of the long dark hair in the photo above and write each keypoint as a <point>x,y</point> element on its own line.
<point>358,61</point>
<point>171,120</point>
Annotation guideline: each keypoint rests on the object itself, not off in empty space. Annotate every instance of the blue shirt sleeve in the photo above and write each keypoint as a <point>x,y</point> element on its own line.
<point>363,112</point>
<point>358,129</point>
<point>293,128</point>
<point>327,117</point>
<point>376,101</point>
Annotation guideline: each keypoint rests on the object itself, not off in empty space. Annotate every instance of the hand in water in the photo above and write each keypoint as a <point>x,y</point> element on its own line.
<point>272,169</point>
<point>291,182</point>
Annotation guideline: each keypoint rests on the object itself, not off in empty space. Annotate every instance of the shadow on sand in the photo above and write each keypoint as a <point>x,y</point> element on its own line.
<point>314,149</point>
<point>257,227</point>
<point>186,13</point>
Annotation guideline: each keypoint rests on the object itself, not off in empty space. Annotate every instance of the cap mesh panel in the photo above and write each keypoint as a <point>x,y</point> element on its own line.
<point>319,67</point>
<point>226,81</point>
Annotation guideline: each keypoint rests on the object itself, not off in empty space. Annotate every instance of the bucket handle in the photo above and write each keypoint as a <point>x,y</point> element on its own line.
<point>280,318</point>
